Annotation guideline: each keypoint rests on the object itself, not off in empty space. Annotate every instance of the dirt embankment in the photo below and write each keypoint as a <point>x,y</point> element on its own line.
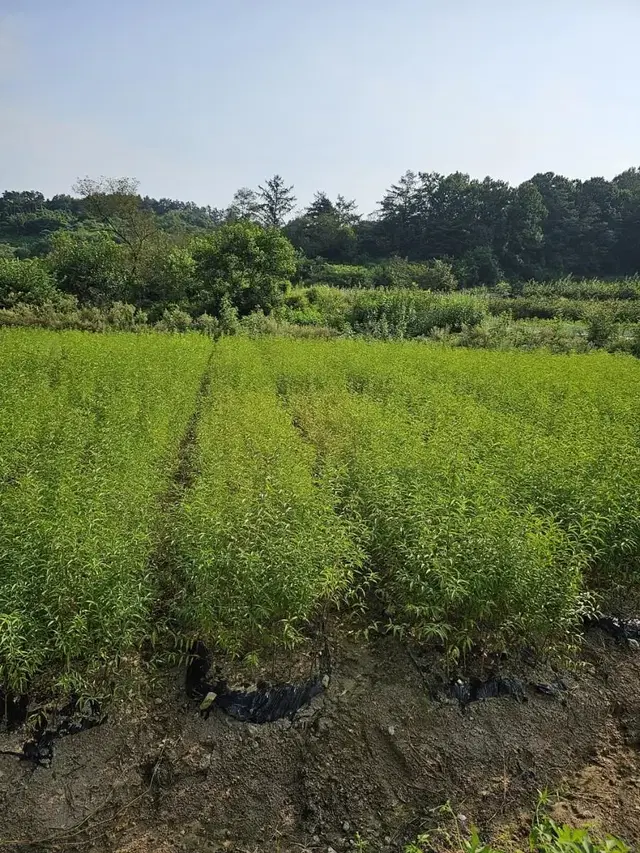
<point>374,754</point>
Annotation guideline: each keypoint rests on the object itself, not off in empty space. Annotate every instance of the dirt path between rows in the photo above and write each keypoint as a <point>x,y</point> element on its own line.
<point>373,755</point>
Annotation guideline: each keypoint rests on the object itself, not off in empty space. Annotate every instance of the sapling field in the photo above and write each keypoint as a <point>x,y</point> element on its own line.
<point>89,430</point>
<point>479,498</point>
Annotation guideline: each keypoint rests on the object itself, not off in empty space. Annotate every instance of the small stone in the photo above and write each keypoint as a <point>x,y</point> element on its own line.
<point>585,814</point>
<point>208,701</point>
<point>158,700</point>
<point>346,826</point>
<point>392,730</point>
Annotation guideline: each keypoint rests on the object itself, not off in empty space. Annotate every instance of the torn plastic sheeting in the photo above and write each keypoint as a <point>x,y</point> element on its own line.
<point>265,704</point>
<point>72,720</point>
<point>557,689</point>
<point>13,709</point>
<point>40,747</point>
<point>621,629</point>
<point>476,690</point>
<point>269,704</point>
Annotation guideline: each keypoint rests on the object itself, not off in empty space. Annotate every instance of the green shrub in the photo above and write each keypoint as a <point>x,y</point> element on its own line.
<point>600,326</point>
<point>250,265</point>
<point>436,275</point>
<point>297,300</point>
<point>403,274</point>
<point>594,289</point>
<point>125,317</point>
<point>93,269</point>
<point>479,267</point>
<point>208,325</point>
<point>410,314</point>
<point>168,278</point>
<point>174,319</point>
<point>331,305</point>
<point>228,317</point>
<point>27,281</point>
<point>341,275</point>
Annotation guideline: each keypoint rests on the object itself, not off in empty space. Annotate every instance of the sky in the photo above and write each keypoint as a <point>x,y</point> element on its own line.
<point>196,98</point>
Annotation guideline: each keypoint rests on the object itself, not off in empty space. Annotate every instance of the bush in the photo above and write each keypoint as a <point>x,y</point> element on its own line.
<point>228,319</point>
<point>410,313</point>
<point>341,275</point>
<point>331,305</point>
<point>94,270</point>
<point>600,326</point>
<point>125,317</point>
<point>297,300</point>
<point>437,275</point>
<point>168,278</point>
<point>590,289</point>
<point>26,281</point>
<point>401,274</point>
<point>297,309</point>
<point>257,324</point>
<point>479,268</point>
<point>394,273</point>
<point>248,264</point>
<point>503,288</point>
<point>174,319</point>
<point>207,325</point>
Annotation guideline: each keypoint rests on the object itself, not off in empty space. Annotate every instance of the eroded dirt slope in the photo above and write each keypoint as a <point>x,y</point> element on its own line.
<point>373,755</point>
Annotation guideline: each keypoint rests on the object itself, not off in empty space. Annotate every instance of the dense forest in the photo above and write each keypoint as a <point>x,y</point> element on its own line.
<point>547,227</point>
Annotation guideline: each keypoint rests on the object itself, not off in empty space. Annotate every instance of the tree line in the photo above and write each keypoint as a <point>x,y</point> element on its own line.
<point>545,228</point>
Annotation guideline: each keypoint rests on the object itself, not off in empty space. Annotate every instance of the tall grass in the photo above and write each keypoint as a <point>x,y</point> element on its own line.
<point>595,289</point>
<point>389,312</point>
<point>496,490</point>
<point>452,555</point>
<point>89,430</point>
<point>257,538</point>
<point>549,306</point>
<point>483,497</point>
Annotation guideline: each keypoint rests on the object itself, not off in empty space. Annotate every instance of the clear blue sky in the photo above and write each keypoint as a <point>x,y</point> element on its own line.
<point>199,97</point>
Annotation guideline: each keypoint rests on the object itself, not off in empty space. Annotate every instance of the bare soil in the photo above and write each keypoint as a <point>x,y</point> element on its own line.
<point>373,755</point>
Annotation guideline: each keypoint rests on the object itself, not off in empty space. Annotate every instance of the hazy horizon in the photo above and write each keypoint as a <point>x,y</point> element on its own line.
<point>200,100</point>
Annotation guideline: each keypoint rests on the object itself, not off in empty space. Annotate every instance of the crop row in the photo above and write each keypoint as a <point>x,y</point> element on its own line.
<point>498,491</point>
<point>89,431</point>
<point>482,498</point>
